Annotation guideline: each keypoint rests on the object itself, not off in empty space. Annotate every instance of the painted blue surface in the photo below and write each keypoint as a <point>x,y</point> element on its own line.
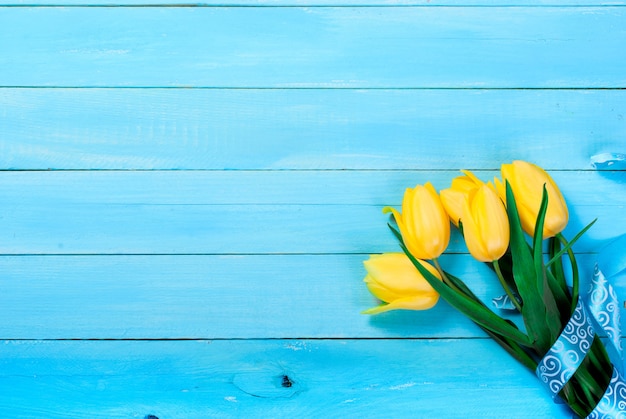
<point>224,379</point>
<point>278,129</point>
<point>325,47</point>
<point>187,195</point>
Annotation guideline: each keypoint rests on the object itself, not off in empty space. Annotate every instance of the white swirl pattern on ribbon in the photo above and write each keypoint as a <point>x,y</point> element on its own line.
<point>604,307</point>
<point>613,403</point>
<point>601,314</point>
<point>565,356</point>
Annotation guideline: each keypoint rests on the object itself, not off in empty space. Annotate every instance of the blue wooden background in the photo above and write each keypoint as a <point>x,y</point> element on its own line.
<point>188,191</point>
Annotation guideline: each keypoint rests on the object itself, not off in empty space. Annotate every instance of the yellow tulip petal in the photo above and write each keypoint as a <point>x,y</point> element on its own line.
<point>399,220</point>
<point>424,224</point>
<point>462,184</point>
<point>430,188</point>
<point>412,212</point>
<point>410,209</point>
<point>557,215</point>
<point>493,224</point>
<point>500,189</point>
<point>528,218</point>
<point>527,181</point>
<point>436,223</point>
<point>452,201</point>
<point>485,225</point>
<point>418,302</point>
<point>382,293</point>
<point>472,235</point>
<point>396,273</point>
<point>393,211</point>
<point>493,187</point>
<point>393,279</point>
<point>473,178</point>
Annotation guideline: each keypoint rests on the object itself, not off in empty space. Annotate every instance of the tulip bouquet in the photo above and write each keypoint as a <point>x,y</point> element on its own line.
<point>515,226</point>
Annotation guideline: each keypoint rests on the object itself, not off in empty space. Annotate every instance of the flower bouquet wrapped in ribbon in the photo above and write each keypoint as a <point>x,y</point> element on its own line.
<point>515,225</point>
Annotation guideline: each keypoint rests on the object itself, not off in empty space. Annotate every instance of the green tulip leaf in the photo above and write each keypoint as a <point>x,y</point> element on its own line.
<point>556,268</point>
<point>396,233</point>
<point>575,276</point>
<point>553,317</point>
<point>569,244</point>
<point>458,283</point>
<point>562,298</point>
<point>524,274</point>
<point>555,259</point>
<point>558,282</point>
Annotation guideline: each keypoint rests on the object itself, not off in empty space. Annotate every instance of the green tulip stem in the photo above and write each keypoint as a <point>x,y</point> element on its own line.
<point>507,289</point>
<point>575,279</point>
<point>445,278</point>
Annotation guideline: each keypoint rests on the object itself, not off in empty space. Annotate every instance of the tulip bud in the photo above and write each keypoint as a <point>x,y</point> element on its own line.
<point>393,279</point>
<point>485,224</point>
<point>527,181</point>
<point>424,224</point>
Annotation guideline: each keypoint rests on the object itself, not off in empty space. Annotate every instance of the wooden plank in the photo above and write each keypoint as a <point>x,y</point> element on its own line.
<point>224,379</point>
<point>306,129</point>
<point>225,212</point>
<point>312,3</point>
<point>336,47</point>
<point>220,297</point>
<point>244,188</point>
<point>284,212</point>
<point>203,297</point>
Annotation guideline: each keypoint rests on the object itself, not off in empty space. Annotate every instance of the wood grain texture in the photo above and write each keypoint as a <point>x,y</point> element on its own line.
<point>221,297</point>
<point>313,3</point>
<point>218,178</point>
<point>225,379</point>
<point>372,47</point>
<point>306,129</point>
<point>283,187</point>
<point>284,213</point>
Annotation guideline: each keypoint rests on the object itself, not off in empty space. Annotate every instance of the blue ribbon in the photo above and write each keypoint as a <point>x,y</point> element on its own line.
<point>599,313</point>
<point>605,308</point>
<point>613,403</point>
<point>609,161</point>
<point>563,359</point>
<point>604,311</point>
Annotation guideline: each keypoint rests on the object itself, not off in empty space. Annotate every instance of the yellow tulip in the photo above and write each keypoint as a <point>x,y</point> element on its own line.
<point>500,189</point>
<point>424,224</point>
<point>393,279</point>
<point>527,180</point>
<point>485,224</point>
<point>454,197</point>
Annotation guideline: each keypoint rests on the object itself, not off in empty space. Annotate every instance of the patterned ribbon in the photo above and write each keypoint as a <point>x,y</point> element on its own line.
<point>613,403</point>
<point>599,313</point>
<point>563,359</point>
<point>604,307</point>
